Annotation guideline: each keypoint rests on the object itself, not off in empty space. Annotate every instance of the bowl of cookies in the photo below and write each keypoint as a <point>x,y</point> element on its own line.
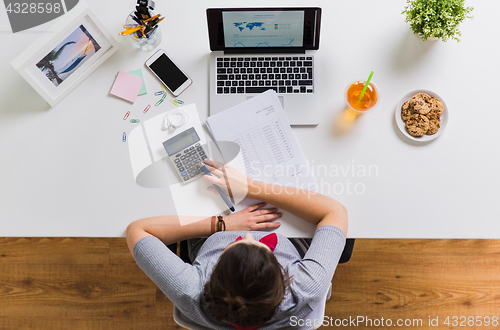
<point>421,115</point>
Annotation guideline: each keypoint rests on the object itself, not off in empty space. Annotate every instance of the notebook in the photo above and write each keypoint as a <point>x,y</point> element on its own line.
<point>256,138</point>
<point>257,49</point>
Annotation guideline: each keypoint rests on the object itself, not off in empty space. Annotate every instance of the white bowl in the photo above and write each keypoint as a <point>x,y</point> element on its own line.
<point>402,126</point>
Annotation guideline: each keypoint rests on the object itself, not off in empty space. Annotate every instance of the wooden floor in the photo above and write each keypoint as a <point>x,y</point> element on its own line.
<point>93,283</point>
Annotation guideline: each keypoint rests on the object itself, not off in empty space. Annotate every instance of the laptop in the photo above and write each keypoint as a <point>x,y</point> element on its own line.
<point>256,49</point>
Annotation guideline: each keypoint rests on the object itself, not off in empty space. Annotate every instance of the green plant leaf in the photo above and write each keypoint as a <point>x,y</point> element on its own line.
<point>436,18</point>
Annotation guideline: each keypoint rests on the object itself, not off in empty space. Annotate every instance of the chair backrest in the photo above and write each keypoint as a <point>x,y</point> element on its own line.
<point>184,322</point>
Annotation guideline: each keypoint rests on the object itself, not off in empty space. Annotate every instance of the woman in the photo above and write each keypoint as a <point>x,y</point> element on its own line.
<point>243,278</point>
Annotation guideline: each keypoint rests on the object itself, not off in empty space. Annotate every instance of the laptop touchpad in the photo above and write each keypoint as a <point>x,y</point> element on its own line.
<point>282,101</point>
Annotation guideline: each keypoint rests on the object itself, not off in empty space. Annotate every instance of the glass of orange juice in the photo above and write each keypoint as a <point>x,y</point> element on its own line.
<point>368,101</point>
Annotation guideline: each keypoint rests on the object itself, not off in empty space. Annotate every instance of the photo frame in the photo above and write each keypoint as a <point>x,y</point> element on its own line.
<point>61,59</point>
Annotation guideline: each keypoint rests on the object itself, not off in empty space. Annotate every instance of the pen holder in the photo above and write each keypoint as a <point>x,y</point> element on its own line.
<point>148,42</point>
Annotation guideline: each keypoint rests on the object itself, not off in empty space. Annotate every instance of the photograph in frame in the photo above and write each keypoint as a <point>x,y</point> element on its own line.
<point>57,62</point>
<point>68,56</point>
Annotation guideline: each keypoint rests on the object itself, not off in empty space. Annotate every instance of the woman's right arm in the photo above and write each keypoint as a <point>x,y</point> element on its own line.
<point>312,207</point>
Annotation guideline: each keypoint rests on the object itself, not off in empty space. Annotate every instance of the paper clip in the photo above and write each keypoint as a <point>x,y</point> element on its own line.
<point>147,108</point>
<point>124,137</point>
<point>179,101</point>
<point>134,121</point>
<point>126,115</point>
<point>161,100</point>
<point>163,87</point>
<point>159,93</point>
<point>174,102</point>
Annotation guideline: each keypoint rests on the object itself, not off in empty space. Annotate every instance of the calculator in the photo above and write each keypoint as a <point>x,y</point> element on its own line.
<point>185,150</point>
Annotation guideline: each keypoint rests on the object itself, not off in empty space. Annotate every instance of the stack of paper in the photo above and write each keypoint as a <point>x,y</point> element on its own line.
<point>262,145</point>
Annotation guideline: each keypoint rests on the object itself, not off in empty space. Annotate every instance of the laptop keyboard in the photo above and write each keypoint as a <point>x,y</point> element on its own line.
<point>247,74</point>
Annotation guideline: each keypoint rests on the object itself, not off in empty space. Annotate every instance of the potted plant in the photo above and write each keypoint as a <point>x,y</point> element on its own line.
<point>436,19</point>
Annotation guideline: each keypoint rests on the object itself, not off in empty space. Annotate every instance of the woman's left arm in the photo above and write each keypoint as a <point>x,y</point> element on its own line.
<point>170,230</point>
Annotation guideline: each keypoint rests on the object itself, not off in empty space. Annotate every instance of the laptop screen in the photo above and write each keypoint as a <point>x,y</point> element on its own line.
<point>263,28</point>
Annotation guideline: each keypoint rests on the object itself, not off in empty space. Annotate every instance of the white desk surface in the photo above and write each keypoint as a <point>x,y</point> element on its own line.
<point>64,171</point>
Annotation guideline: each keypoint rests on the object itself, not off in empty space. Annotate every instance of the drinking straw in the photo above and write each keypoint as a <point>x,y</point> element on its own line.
<point>364,88</point>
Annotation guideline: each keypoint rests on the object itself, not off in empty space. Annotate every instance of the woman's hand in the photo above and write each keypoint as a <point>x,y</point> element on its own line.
<point>232,181</point>
<point>253,218</point>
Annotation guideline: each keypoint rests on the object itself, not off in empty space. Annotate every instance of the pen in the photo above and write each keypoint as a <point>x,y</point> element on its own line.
<point>136,20</point>
<point>139,16</point>
<point>221,193</point>
<point>154,29</point>
<point>147,29</point>
<point>153,22</point>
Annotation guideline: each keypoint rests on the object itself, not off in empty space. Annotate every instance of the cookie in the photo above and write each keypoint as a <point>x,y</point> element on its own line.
<point>436,106</point>
<point>417,125</point>
<point>406,105</point>
<point>406,111</point>
<point>434,125</point>
<point>424,96</point>
<point>431,115</point>
<point>414,99</point>
<point>419,105</point>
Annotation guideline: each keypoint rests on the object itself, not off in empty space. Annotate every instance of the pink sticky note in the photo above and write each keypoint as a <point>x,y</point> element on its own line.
<point>126,86</point>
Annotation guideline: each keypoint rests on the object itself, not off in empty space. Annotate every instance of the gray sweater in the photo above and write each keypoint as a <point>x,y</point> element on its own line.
<point>183,283</point>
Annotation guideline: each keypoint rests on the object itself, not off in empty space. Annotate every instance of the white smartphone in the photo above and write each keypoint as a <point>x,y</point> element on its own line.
<point>168,72</point>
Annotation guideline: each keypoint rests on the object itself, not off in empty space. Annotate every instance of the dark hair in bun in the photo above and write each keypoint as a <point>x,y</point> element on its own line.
<point>246,286</point>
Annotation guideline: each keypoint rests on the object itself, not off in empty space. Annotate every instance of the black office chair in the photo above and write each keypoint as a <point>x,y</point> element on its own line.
<point>345,257</point>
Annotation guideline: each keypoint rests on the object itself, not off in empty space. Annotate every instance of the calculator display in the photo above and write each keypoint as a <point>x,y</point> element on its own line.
<point>181,141</point>
<point>182,144</point>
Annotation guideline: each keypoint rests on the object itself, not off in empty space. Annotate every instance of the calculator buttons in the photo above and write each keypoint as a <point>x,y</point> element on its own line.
<point>187,162</point>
